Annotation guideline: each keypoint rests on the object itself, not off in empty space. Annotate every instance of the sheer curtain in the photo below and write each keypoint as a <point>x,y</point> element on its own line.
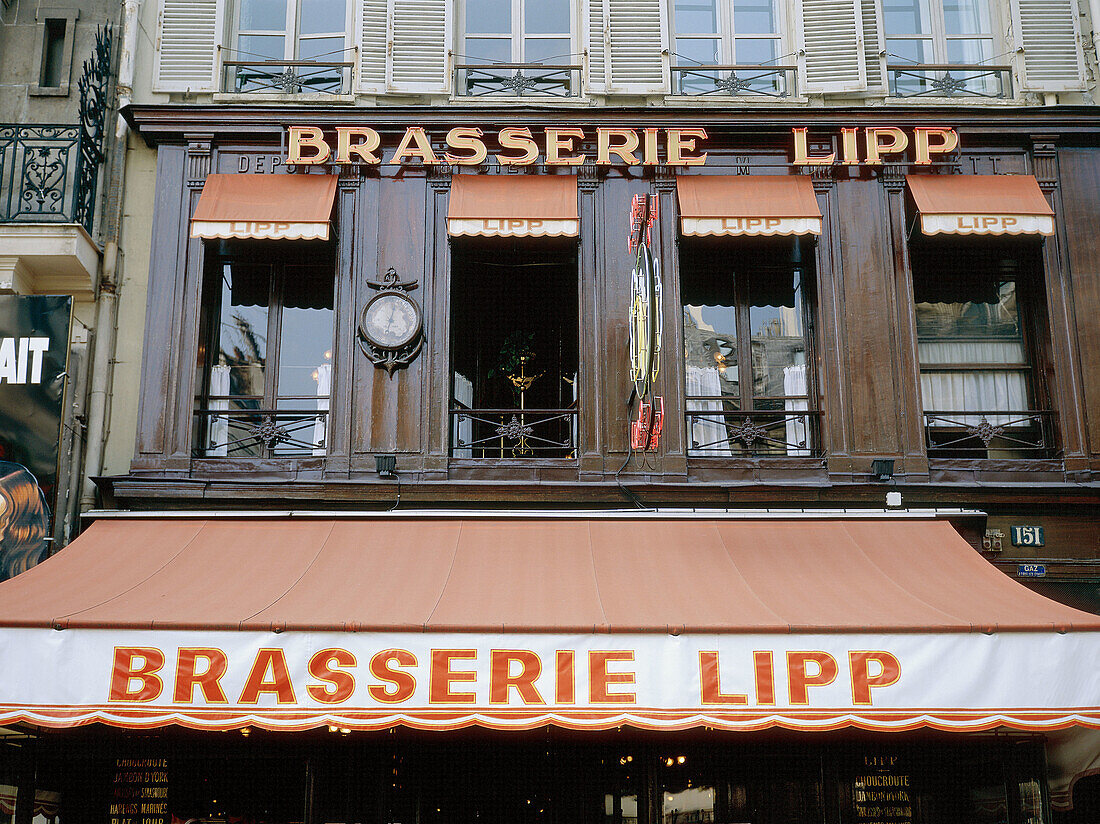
<point>981,391</point>
<point>708,432</point>
<point>798,430</point>
<point>320,425</point>
<point>217,445</point>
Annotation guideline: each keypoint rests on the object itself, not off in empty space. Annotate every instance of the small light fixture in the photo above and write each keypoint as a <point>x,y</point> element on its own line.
<point>386,466</point>
<point>882,469</point>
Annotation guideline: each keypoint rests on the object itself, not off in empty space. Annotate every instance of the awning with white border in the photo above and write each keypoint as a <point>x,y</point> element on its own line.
<point>981,205</point>
<point>513,206</point>
<point>513,622</point>
<point>265,207</point>
<point>747,205</point>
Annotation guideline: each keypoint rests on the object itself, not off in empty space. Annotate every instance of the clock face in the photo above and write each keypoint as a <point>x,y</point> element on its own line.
<point>390,321</point>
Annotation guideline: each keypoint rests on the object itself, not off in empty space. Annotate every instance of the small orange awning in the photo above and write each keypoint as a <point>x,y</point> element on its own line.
<point>747,205</point>
<point>981,205</point>
<point>513,206</point>
<point>265,207</point>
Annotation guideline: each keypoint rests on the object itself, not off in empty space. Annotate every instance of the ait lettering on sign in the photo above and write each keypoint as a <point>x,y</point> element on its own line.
<point>34,346</point>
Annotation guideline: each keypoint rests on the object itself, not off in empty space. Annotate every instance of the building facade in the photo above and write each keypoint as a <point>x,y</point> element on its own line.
<point>611,411</point>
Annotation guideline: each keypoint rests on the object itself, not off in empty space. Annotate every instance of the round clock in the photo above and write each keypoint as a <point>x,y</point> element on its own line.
<point>390,320</point>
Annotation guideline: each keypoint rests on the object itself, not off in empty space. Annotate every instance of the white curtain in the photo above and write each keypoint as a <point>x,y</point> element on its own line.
<point>464,429</point>
<point>320,425</point>
<point>709,432</point>
<point>975,391</point>
<point>798,430</point>
<point>217,444</point>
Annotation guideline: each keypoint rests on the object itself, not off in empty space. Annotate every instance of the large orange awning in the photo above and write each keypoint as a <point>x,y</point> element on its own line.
<point>747,205</point>
<point>265,207</point>
<point>533,574</point>
<point>440,621</point>
<point>513,206</point>
<point>981,205</point>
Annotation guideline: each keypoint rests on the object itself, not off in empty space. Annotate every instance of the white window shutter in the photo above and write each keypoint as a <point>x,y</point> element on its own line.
<point>1047,32</point>
<point>419,40</point>
<point>595,36</point>
<point>832,45</point>
<point>186,57</point>
<point>636,40</point>
<point>873,41</point>
<point>371,18</point>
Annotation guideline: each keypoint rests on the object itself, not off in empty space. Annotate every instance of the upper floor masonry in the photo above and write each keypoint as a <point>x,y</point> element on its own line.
<point>596,52</point>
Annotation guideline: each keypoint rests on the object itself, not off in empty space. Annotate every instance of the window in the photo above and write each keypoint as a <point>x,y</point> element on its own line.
<point>976,312</point>
<point>56,28</point>
<point>956,32</point>
<point>265,361</point>
<point>727,33</point>
<point>517,47</point>
<point>273,34</point>
<point>514,331</point>
<point>746,353</point>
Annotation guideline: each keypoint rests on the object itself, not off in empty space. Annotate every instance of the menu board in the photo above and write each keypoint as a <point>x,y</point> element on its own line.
<point>882,792</point>
<point>139,792</point>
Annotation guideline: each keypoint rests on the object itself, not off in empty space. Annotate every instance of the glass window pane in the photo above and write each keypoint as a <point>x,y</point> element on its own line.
<point>322,16</point>
<point>756,53</point>
<point>488,50</point>
<point>547,17</point>
<point>966,16</point>
<point>908,51</point>
<point>261,47</point>
<point>305,342</point>
<point>546,50</point>
<point>710,334</point>
<point>754,17</point>
<point>698,51</point>
<point>696,16</point>
<point>488,16</point>
<point>778,342</point>
<point>970,52</point>
<point>326,78</point>
<point>906,17</point>
<point>240,341</point>
<point>263,15</point>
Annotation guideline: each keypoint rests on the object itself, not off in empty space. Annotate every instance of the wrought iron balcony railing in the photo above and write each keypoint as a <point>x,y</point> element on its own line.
<point>990,434</point>
<point>714,432</point>
<point>259,433</point>
<point>743,80</point>
<point>287,76</point>
<point>517,80</point>
<point>950,80</point>
<point>48,173</point>
<point>503,434</point>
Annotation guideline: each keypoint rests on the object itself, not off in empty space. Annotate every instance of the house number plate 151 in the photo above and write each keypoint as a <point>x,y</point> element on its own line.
<point>1027,535</point>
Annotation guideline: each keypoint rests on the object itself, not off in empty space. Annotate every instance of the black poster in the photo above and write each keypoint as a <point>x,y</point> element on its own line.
<point>34,347</point>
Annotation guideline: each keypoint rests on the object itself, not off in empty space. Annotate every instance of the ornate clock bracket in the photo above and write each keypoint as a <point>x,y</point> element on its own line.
<point>391,330</point>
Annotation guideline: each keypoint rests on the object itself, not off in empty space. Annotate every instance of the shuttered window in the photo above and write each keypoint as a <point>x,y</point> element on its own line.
<point>872,43</point>
<point>1047,30</point>
<point>596,37</point>
<point>832,42</point>
<point>189,33</point>
<point>372,44</point>
<point>419,42</point>
<point>637,38</point>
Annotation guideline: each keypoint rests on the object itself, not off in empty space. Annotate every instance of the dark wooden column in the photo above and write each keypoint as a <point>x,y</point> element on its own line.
<point>437,294</point>
<point>910,407</point>
<point>1065,379</point>
<point>670,381</point>
<point>589,441</point>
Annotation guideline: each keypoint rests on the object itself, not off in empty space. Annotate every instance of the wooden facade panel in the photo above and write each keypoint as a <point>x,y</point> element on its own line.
<point>612,320</point>
<point>388,408</point>
<point>1080,195</point>
<point>869,358</point>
